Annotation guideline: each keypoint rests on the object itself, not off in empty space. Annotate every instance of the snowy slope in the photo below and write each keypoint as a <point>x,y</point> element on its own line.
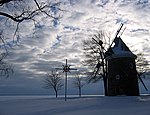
<point>98,105</point>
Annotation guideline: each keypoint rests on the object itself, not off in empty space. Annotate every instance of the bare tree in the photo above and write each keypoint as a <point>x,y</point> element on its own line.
<point>142,65</point>
<point>79,83</point>
<point>94,49</point>
<point>53,80</point>
<point>5,68</point>
<point>21,10</point>
<point>14,12</point>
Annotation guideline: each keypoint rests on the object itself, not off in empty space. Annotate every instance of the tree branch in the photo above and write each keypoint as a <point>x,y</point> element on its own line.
<point>9,16</point>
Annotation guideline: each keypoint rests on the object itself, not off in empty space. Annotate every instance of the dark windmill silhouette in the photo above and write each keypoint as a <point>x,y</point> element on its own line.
<point>66,68</point>
<point>119,68</point>
<point>122,74</point>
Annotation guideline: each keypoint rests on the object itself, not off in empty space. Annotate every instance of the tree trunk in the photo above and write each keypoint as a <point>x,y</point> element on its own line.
<point>105,86</point>
<point>106,78</point>
<point>79,92</point>
<point>56,93</point>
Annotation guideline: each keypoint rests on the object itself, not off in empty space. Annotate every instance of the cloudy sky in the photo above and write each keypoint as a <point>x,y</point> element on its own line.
<point>46,47</point>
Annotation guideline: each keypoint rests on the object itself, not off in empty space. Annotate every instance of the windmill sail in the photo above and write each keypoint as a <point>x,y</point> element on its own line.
<point>142,82</point>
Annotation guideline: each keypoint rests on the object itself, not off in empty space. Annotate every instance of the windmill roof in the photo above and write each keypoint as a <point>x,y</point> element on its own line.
<point>119,49</point>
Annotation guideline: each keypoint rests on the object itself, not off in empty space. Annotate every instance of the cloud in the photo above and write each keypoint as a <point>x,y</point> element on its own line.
<point>50,44</point>
<point>80,19</point>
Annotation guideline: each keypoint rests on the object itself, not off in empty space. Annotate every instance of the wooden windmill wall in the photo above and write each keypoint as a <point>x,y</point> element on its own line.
<point>121,70</point>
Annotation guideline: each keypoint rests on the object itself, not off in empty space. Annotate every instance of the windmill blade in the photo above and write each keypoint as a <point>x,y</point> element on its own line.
<point>142,83</point>
<point>118,31</point>
<point>92,78</point>
<point>96,70</point>
<point>122,31</point>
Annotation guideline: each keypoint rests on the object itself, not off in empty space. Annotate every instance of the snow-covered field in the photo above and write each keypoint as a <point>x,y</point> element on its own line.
<point>87,105</point>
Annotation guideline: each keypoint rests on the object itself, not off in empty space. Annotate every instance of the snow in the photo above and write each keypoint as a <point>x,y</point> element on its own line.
<point>120,50</point>
<point>122,53</point>
<point>88,105</point>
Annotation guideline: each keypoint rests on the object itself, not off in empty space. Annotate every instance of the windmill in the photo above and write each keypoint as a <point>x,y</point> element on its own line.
<point>118,67</point>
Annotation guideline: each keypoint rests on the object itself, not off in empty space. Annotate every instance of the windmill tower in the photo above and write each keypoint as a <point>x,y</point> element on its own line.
<point>122,76</point>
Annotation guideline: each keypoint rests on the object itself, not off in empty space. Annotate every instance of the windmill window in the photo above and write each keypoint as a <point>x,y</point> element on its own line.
<point>117,77</point>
